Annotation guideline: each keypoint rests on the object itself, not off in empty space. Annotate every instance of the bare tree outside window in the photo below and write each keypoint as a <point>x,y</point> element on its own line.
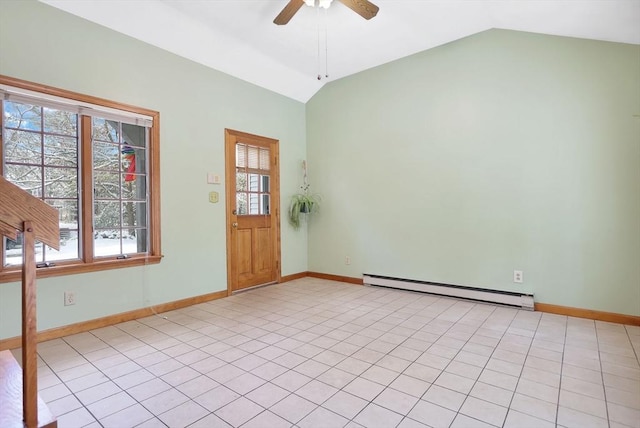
<point>41,156</point>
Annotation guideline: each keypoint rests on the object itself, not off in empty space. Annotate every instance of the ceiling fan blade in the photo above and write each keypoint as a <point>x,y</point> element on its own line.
<point>287,13</point>
<point>364,8</point>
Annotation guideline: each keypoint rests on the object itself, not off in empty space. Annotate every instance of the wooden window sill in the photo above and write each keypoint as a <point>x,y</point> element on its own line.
<point>14,275</point>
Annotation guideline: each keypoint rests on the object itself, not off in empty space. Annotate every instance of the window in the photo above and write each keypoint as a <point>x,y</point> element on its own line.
<point>40,148</point>
<point>120,188</point>
<point>252,180</point>
<point>97,162</point>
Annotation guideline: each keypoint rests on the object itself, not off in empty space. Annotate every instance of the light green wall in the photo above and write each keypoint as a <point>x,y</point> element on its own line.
<point>501,151</point>
<point>44,45</point>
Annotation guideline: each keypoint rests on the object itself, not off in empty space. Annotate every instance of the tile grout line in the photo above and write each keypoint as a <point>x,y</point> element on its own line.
<point>604,389</point>
<point>564,345</point>
<point>633,348</point>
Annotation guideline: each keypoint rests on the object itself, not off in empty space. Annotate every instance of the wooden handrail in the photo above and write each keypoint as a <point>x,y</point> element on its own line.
<point>21,211</point>
<point>18,206</point>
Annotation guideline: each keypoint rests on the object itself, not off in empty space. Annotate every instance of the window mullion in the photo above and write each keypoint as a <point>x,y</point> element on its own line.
<point>42,176</point>
<point>2,239</point>
<point>120,183</point>
<point>86,198</point>
<point>153,190</point>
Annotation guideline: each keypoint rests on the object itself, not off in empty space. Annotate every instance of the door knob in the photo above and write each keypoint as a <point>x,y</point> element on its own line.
<point>234,224</point>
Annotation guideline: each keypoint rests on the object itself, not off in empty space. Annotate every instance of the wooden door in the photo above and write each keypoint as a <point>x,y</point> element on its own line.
<point>253,204</point>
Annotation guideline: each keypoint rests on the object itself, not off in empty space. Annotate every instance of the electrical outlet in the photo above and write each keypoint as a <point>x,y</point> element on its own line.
<point>347,260</point>
<point>69,298</point>
<point>517,276</point>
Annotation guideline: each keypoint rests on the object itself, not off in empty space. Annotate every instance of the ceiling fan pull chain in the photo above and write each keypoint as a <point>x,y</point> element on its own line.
<point>326,47</point>
<point>318,53</point>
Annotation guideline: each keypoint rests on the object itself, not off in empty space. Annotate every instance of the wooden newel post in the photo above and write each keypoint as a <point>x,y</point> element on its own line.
<point>29,330</point>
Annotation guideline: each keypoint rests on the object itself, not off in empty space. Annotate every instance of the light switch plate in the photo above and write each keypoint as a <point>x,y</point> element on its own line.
<point>213,178</point>
<point>213,197</point>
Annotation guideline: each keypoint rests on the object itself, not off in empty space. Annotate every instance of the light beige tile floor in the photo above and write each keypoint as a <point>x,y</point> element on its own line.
<point>314,353</point>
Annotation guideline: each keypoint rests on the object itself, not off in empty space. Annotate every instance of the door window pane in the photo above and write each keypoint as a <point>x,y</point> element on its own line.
<point>241,182</point>
<point>264,159</point>
<point>252,180</point>
<point>241,203</point>
<point>254,205</point>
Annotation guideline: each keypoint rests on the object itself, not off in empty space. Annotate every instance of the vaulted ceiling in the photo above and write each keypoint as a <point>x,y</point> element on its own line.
<point>238,37</point>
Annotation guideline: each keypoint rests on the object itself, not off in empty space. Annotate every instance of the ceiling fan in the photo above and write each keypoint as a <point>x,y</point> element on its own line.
<point>364,8</point>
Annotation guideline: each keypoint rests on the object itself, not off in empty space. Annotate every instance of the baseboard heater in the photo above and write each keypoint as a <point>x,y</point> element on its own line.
<point>520,300</point>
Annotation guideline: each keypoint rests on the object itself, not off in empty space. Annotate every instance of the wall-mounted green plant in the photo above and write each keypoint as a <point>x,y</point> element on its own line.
<point>304,203</point>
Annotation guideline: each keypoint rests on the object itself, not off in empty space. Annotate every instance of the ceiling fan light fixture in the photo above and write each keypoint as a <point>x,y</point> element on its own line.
<point>364,8</point>
<point>321,3</point>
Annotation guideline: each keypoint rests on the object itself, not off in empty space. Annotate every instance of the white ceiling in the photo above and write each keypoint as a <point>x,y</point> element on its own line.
<point>238,37</point>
